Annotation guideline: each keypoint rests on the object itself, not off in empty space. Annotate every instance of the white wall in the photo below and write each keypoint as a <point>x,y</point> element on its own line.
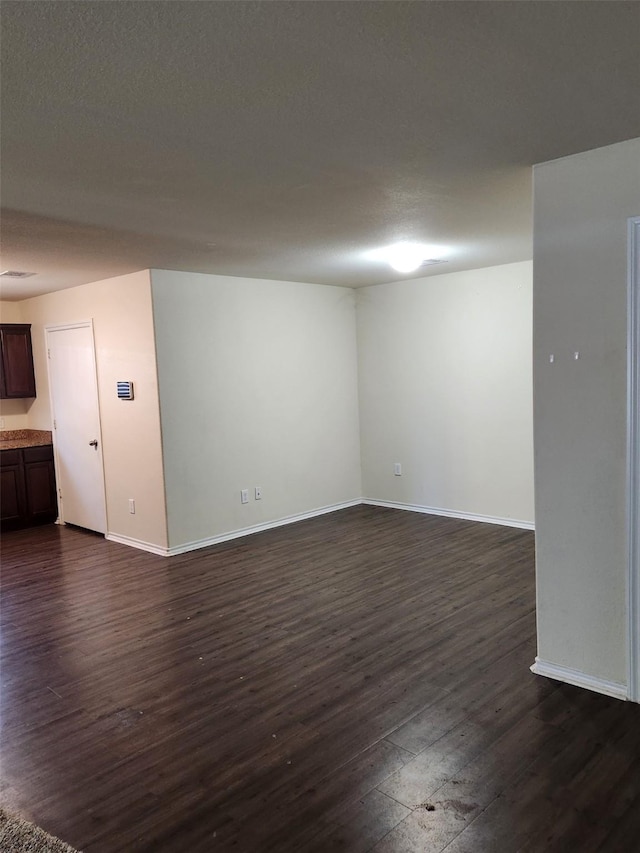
<point>14,413</point>
<point>125,349</point>
<point>580,260</point>
<point>258,387</point>
<point>445,389</point>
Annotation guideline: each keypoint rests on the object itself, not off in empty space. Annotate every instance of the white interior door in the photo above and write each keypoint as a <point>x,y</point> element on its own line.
<point>76,416</point>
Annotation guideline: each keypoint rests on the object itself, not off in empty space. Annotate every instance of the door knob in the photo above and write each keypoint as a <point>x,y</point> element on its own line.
<point>94,443</point>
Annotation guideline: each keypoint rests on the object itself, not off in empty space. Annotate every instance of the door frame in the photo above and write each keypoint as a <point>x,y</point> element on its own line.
<point>62,327</point>
<point>633,460</point>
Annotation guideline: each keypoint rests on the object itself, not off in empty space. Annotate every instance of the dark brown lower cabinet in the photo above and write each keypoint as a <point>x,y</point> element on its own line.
<point>12,497</point>
<point>27,487</point>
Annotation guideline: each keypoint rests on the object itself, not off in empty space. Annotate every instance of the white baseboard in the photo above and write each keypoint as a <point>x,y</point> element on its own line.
<point>137,543</point>
<point>452,513</point>
<point>291,519</point>
<point>258,528</point>
<point>579,679</point>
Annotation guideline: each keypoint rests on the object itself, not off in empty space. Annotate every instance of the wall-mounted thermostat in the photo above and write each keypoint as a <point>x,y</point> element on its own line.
<point>125,390</point>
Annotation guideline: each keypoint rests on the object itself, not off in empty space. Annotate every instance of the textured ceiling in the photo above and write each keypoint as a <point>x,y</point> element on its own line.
<point>285,139</point>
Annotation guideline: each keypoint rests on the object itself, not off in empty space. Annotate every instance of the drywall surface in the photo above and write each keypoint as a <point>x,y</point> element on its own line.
<point>123,329</point>
<point>580,290</point>
<point>14,414</point>
<point>258,387</point>
<point>445,390</point>
<point>11,312</point>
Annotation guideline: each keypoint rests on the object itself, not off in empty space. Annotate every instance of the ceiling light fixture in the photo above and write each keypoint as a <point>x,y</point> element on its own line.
<point>406,257</point>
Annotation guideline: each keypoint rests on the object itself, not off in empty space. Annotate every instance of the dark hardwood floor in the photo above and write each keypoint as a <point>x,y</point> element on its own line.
<point>355,682</point>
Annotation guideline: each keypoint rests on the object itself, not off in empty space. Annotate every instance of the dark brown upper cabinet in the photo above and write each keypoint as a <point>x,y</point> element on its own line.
<point>17,378</point>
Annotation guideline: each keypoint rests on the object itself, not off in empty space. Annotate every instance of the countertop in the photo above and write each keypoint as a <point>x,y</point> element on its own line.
<point>11,439</point>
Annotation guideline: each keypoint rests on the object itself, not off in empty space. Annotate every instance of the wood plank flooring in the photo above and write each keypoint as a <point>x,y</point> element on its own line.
<point>356,682</point>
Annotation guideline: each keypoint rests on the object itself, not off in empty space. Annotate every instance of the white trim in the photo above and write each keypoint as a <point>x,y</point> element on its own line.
<point>63,327</point>
<point>579,679</point>
<point>633,460</point>
<point>259,528</point>
<point>452,513</point>
<point>137,543</point>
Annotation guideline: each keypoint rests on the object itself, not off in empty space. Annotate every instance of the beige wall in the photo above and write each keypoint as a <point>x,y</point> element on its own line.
<point>445,389</point>
<point>11,312</point>
<point>14,414</point>
<point>580,261</point>
<point>258,387</point>
<point>124,338</point>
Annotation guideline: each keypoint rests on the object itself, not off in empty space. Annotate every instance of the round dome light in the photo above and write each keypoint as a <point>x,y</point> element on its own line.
<point>406,257</point>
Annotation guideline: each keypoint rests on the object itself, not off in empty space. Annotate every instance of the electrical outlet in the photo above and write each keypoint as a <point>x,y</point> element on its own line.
<point>244,496</point>
<point>397,469</point>
<point>132,506</point>
<point>258,493</point>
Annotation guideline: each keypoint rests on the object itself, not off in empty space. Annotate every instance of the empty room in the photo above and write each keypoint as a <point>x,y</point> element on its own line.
<point>320,426</point>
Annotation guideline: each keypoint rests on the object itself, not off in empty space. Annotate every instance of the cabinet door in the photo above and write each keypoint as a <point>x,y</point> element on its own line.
<point>12,496</point>
<point>40,481</point>
<point>17,378</point>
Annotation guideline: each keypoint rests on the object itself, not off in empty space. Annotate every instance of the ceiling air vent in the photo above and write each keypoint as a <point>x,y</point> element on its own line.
<point>15,274</point>
<point>431,261</point>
